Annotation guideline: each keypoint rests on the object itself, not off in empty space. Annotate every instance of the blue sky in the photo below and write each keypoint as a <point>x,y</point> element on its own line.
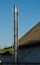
<point>29,15</point>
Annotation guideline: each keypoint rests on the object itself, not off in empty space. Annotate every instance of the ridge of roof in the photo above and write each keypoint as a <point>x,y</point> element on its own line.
<point>30,29</point>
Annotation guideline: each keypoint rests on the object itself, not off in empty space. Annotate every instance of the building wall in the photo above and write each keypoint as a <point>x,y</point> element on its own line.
<point>29,55</point>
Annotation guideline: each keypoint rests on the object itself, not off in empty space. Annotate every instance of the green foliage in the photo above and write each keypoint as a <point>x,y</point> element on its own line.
<point>7,49</point>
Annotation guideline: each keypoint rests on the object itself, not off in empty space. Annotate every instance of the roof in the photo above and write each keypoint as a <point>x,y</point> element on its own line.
<point>6,53</point>
<point>30,44</point>
<point>2,52</point>
<point>33,34</point>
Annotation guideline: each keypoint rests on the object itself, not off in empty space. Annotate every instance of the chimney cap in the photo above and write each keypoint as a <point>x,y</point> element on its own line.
<point>16,9</point>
